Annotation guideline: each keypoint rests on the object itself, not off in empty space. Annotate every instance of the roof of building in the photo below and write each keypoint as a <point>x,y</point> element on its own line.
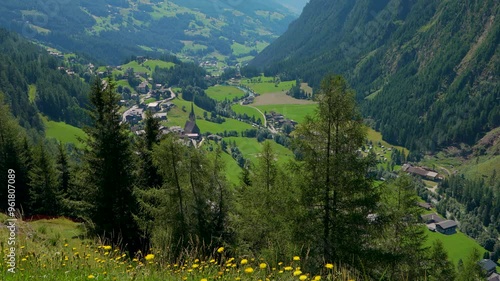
<point>432,217</point>
<point>494,277</point>
<point>424,205</point>
<point>191,127</point>
<point>447,224</point>
<point>432,174</point>
<point>417,171</point>
<point>488,264</point>
<point>153,104</point>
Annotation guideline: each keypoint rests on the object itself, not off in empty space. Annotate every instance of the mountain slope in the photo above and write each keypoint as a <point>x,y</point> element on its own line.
<point>428,70</point>
<point>111,30</point>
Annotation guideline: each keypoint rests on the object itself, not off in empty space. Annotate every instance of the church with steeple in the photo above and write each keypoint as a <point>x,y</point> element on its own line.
<point>191,129</point>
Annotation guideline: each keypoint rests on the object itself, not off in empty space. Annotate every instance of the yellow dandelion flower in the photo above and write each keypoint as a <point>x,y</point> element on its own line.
<point>220,250</point>
<point>66,245</point>
<point>22,247</point>
<point>195,265</point>
<point>303,277</point>
<point>204,279</point>
<point>297,273</point>
<point>23,259</point>
<point>149,257</point>
<point>244,261</point>
<point>106,248</point>
<point>237,278</point>
<point>296,258</point>
<point>91,276</point>
<point>317,278</point>
<point>329,266</point>
<point>288,268</point>
<point>248,270</point>
<point>262,266</point>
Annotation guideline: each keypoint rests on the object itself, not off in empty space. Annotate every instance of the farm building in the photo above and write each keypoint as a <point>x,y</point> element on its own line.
<point>421,172</point>
<point>488,266</point>
<point>494,277</point>
<point>447,227</point>
<point>425,205</point>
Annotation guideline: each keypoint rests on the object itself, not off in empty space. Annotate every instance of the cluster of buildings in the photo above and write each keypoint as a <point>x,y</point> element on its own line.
<point>435,222</point>
<point>277,120</point>
<point>422,172</point>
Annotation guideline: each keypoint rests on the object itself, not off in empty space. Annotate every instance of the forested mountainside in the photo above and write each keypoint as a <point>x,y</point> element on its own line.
<point>428,71</point>
<point>110,30</point>
<point>33,81</point>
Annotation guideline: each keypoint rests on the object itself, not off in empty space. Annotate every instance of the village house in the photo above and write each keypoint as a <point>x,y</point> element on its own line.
<point>425,205</point>
<point>489,267</point>
<point>143,88</point>
<point>154,106</point>
<point>431,220</point>
<point>447,227</point>
<point>161,115</point>
<point>421,172</point>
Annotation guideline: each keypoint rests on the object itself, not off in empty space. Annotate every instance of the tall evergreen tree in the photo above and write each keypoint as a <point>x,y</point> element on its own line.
<point>44,193</point>
<point>108,169</point>
<point>335,191</point>
<point>441,268</point>
<point>14,155</point>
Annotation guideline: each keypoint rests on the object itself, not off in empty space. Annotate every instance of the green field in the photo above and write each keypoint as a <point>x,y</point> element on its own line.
<point>240,49</point>
<point>178,117</point>
<point>136,67</point>
<point>270,87</point>
<point>296,112</point>
<point>229,125</point>
<point>63,132</point>
<point>251,149</point>
<point>162,64</point>
<point>457,245</point>
<point>221,93</point>
<point>250,111</point>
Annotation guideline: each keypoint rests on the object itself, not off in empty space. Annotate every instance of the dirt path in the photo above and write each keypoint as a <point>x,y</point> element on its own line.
<point>261,113</point>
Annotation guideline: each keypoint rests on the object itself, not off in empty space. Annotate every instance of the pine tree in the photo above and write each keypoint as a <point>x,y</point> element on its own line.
<point>44,193</point>
<point>63,169</point>
<point>14,155</point>
<point>335,191</point>
<point>108,169</point>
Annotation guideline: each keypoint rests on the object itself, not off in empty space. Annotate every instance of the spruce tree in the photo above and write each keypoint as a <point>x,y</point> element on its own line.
<point>336,194</point>
<point>44,193</point>
<point>108,169</point>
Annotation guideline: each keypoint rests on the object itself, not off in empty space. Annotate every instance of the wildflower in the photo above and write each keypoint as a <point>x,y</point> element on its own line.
<point>248,270</point>
<point>220,250</point>
<point>23,259</point>
<point>149,257</point>
<point>91,276</point>
<point>296,258</point>
<point>297,273</point>
<point>204,279</point>
<point>106,248</point>
<point>317,278</point>
<point>195,265</point>
<point>303,277</point>
<point>262,266</point>
<point>288,268</point>
<point>329,266</point>
<point>244,261</point>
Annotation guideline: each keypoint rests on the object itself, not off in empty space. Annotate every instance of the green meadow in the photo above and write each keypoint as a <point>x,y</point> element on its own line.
<point>296,112</point>
<point>248,110</point>
<point>63,132</point>
<point>458,245</point>
<point>221,93</point>
<point>251,149</point>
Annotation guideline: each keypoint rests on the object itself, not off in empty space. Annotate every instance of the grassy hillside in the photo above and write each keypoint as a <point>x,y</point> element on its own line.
<point>63,132</point>
<point>221,93</point>
<point>458,245</point>
<point>57,249</point>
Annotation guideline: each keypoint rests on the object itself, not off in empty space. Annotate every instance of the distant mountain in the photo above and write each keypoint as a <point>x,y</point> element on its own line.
<point>427,71</point>
<point>111,30</point>
<point>294,5</point>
